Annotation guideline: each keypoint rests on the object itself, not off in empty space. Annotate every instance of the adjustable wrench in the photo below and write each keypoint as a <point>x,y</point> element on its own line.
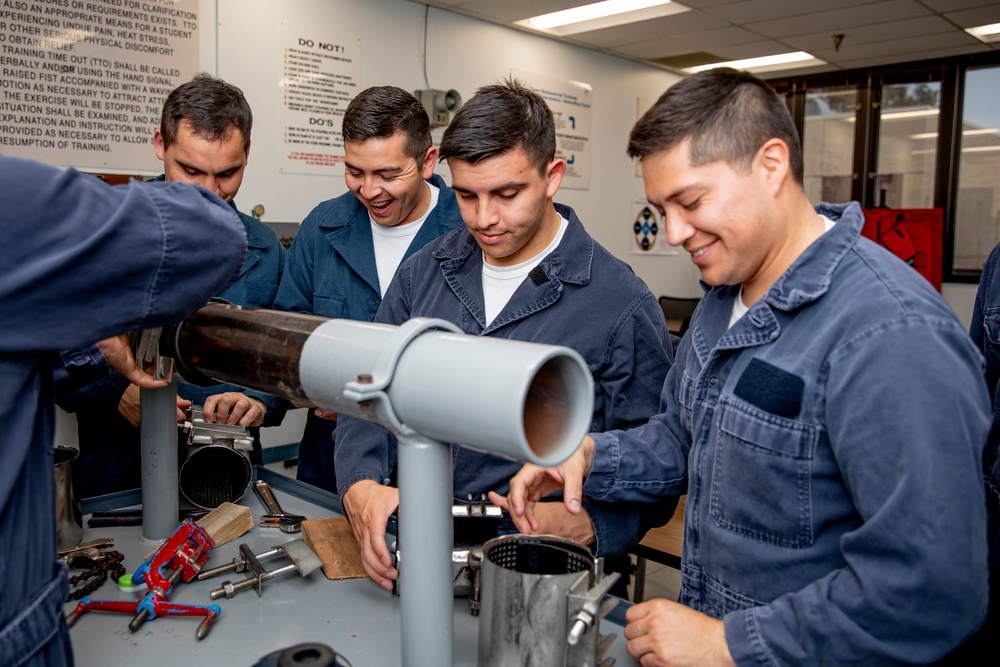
<point>276,517</point>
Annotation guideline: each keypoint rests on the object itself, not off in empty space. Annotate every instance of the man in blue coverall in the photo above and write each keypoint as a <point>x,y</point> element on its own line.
<point>347,249</point>
<point>203,139</point>
<point>90,262</point>
<point>826,415</point>
<point>521,268</point>
<point>985,332</point>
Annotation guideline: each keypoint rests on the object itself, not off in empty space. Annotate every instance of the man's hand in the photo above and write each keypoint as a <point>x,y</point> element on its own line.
<point>369,505</point>
<point>554,519</point>
<point>234,408</point>
<point>661,633</point>
<point>326,414</point>
<point>128,406</point>
<point>532,483</point>
<point>118,353</point>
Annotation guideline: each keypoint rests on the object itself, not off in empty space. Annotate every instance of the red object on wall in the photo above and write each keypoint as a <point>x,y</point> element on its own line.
<point>912,234</point>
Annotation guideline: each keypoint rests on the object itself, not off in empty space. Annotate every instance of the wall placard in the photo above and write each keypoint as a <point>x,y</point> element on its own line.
<point>320,75</point>
<point>570,104</point>
<point>83,83</point>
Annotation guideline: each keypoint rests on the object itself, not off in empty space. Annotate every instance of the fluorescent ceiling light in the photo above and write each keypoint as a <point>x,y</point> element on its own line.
<point>600,15</point>
<point>766,63</point>
<point>893,115</point>
<point>986,33</point>
<point>980,149</point>
<point>933,135</point>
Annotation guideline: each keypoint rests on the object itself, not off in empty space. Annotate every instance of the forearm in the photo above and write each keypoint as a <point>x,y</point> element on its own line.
<point>643,464</point>
<point>362,451</point>
<point>76,370</point>
<point>619,526</point>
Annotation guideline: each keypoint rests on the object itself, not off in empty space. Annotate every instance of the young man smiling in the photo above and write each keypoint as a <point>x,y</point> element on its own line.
<point>521,268</point>
<point>826,416</point>
<point>347,249</point>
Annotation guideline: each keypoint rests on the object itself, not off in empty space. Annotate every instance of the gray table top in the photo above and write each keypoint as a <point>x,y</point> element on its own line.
<point>356,618</point>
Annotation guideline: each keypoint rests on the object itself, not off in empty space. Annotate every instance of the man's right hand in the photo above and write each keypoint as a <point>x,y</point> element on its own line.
<point>532,483</point>
<point>128,406</point>
<point>118,354</point>
<point>369,505</point>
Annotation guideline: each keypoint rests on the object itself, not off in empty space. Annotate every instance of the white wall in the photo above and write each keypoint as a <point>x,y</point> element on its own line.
<point>462,54</point>
<point>962,298</point>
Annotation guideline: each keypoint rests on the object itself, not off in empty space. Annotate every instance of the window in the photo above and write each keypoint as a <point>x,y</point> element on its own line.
<point>977,199</point>
<point>907,146</point>
<point>828,144</point>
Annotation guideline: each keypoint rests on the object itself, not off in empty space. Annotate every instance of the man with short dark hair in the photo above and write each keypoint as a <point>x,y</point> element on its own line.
<point>826,416</point>
<point>521,268</point>
<point>347,249</point>
<point>203,139</point>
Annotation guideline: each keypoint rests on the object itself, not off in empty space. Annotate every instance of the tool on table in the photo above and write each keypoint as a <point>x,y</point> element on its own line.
<point>132,517</point>
<point>304,561</point>
<point>180,557</point>
<point>91,548</point>
<point>310,654</point>
<point>474,524</point>
<point>98,561</point>
<point>542,597</point>
<point>276,517</point>
<point>214,466</point>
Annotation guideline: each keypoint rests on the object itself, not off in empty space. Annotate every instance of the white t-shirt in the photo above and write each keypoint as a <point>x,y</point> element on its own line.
<point>739,308</point>
<point>391,243</point>
<point>500,282</point>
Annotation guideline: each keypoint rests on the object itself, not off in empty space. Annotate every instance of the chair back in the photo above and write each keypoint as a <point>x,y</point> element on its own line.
<point>677,312</point>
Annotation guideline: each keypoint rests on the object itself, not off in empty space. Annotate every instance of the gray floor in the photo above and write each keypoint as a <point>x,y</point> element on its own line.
<point>662,581</point>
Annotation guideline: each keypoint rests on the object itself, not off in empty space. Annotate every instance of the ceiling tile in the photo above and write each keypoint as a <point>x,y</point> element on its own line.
<point>752,11</point>
<point>973,17</point>
<point>839,20</point>
<point>667,26</point>
<point>905,29</point>
<point>956,5</point>
<point>703,41</point>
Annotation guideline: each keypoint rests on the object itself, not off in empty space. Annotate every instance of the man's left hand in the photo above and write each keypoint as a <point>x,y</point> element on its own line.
<point>662,633</point>
<point>234,408</point>
<point>553,518</point>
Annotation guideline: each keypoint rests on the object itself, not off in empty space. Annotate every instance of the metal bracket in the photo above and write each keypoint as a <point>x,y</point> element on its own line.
<point>371,388</point>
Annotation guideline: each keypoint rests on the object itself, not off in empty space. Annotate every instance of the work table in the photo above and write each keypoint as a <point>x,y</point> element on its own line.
<point>354,617</point>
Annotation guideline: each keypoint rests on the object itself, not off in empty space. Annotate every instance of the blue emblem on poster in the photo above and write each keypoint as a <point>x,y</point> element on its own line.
<point>646,229</point>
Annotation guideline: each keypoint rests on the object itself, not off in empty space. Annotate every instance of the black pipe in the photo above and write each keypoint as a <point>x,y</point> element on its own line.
<point>255,348</point>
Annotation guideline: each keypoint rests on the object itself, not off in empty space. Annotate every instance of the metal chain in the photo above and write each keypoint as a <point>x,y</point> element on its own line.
<point>109,563</point>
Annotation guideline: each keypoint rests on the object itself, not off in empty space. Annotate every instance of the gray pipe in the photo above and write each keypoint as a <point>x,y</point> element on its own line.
<point>158,430</point>
<point>427,383</point>
<point>425,538</point>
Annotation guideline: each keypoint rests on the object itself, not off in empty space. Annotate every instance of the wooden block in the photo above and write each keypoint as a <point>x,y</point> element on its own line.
<point>333,541</point>
<point>226,522</point>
